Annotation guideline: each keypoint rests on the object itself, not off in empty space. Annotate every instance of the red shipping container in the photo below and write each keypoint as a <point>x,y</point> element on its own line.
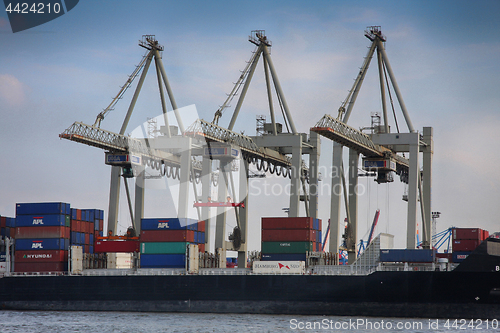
<point>79,214</point>
<point>201,248</point>
<point>284,235</point>
<point>85,227</point>
<point>167,235</point>
<point>101,225</point>
<point>41,256</point>
<point>87,240</point>
<point>486,234</point>
<point>3,221</point>
<point>116,246</point>
<point>41,267</point>
<point>465,245</point>
<point>468,233</point>
<point>287,223</point>
<point>75,225</point>
<point>86,248</point>
<point>448,256</point>
<point>40,232</point>
<point>201,226</point>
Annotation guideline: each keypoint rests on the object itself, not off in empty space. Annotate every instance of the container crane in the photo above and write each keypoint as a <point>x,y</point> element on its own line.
<point>381,153</point>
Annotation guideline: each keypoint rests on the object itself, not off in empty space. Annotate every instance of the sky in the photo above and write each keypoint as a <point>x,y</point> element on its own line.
<point>444,55</point>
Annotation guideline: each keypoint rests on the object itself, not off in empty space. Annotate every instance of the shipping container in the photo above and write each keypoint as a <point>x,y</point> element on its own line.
<point>116,246</point>
<point>76,225</point>
<point>3,221</point>
<point>163,260</point>
<point>40,208</point>
<point>163,248</point>
<point>201,248</point>
<point>465,245</point>
<point>283,257</point>
<point>408,255</point>
<point>460,256</point>
<point>279,267</point>
<point>41,220</point>
<point>41,256</point>
<point>5,232</point>
<point>202,238</point>
<point>101,225</point>
<point>41,244</point>
<point>201,226</point>
<point>287,223</point>
<point>41,232</point>
<point>87,239</point>
<point>23,267</point>
<point>287,247</point>
<point>169,224</point>
<point>486,234</point>
<point>167,236</point>
<point>316,223</point>
<point>10,222</point>
<point>91,249</point>
<point>468,233</point>
<point>294,235</point>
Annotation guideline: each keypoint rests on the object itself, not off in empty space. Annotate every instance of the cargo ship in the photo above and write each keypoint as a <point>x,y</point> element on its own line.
<point>381,282</point>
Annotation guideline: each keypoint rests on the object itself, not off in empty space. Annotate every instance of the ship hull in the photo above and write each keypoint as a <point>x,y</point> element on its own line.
<point>387,294</point>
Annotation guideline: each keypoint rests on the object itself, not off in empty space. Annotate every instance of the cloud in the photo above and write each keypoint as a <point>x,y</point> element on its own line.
<point>12,91</point>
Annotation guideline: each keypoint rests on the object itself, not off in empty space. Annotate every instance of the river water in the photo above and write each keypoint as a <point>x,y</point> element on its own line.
<point>101,322</point>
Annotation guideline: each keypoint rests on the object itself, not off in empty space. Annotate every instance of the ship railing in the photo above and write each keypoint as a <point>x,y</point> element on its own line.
<point>406,267</point>
<point>31,274</point>
<point>224,271</point>
<point>342,270</point>
<point>140,271</point>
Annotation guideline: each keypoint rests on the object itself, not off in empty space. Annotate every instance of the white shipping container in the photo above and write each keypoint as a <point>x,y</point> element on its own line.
<point>279,267</point>
<point>3,266</point>
<point>76,258</point>
<point>120,260</point>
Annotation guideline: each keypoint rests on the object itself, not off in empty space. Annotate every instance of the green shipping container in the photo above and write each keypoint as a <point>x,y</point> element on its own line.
<point>67,220</point>
<point>287,247</point>
<point>163,248</point>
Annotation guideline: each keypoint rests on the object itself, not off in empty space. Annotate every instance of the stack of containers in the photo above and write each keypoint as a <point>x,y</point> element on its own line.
<point>86,226</point>
<point>6,226</point>
<point>7,229</point>
<point>164,241</point>
<point>289,238</point>
<point>465,240</point>
<point>42,237</point>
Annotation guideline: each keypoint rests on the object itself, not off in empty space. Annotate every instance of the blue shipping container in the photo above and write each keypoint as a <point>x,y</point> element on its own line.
<point>91,239</point>
<point>54,220</point>
<point>202,238</point>
<point>5,232</point>
<point>41,244</point>
<point>73,214</point>
<point>284,257</point>
<point>169,223</point>
<point>91,249</point>
<point>163,260</point>
<point>43,208</point>
<point>408,255</point>
<point>316,224</point>
<point>10,222</point>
